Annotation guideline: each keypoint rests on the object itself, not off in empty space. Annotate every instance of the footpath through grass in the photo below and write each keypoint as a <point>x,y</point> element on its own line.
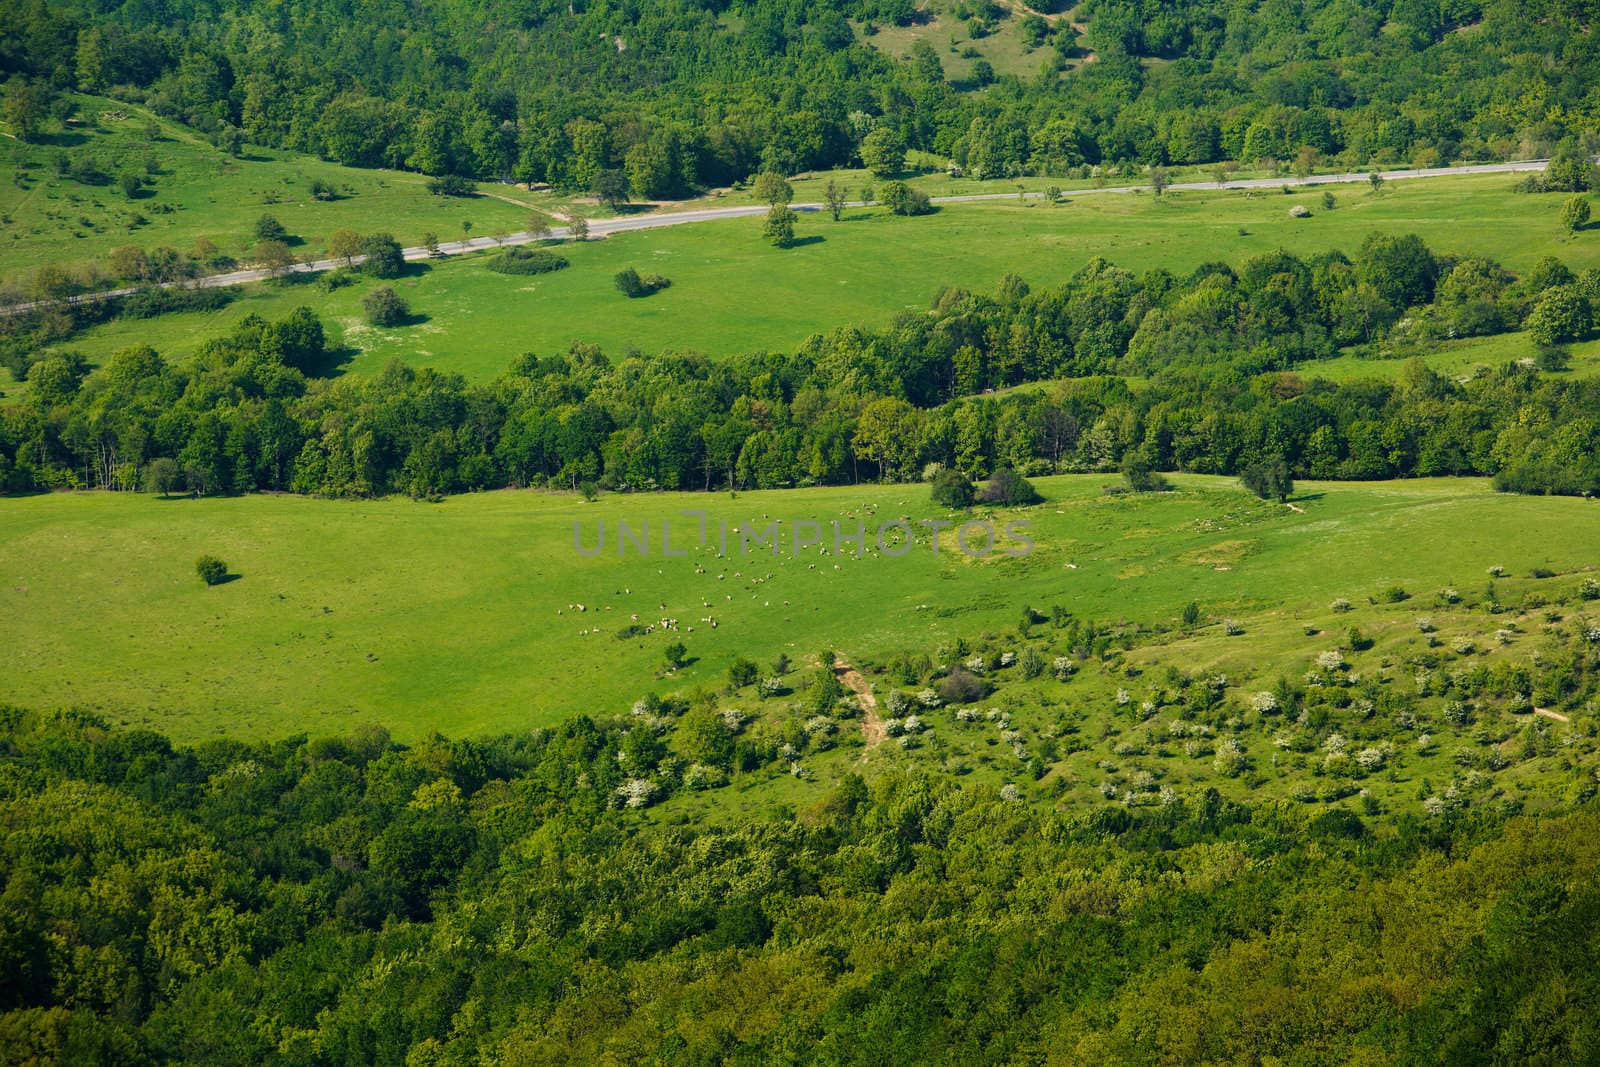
<point>463,616</point>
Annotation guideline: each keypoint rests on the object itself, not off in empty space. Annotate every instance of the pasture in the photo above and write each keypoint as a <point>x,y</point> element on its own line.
<point>463,617</point>
<point>732,292</point>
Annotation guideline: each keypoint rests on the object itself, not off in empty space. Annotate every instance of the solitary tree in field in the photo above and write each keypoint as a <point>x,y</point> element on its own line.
<point>345,245</point>
<point>1376,181</point>
<point>385,307</point>
<point>773,188</point>
<point>834,196</point>
<point>430,241</point>
<point>1158,180</point>
<point>578,228</point>
<point>675,654</point>
<point>274,257</point>
<point>1575,214</point>
<point>538,227</point>
<point>269,228</point>
<point>779,228</point>
<point>1269,479</point>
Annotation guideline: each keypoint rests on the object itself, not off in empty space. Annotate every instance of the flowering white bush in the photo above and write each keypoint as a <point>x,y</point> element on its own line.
<point>1370,758</point>
<point>1449,596</point>
<point>929,698</point>
<point>1232,627</point>
<point>1124,697</point>
<point>788,751</point>
<point>1465,647</point>
<point>820,724</point>
<point>771,687</point>
<point>1007,658</point>
<point>894,727</point>
<point>1434,806</point>
<point>1264,702</point>
<point>1334,743</point>
<point>1424,741</point>
<point>1426,626</point>
<point>1229,759</point>
<point>1503,636</point>
<point>897,702</point>
<point>733,719</point>
<point>1590,589</point>
<point>1195,749</point>
<point>1331,660</point>
<point>977,665</point>
<point>1496,571</point>
<point>1592,634</point>
<point>1010,792</point>
<point>1340,605</point>
<point>700,776</point>
<point>914,724</point>
<point>637,792</point>
<point>1063,668</point>
<point>967,715</point>
<point>1107,790</point>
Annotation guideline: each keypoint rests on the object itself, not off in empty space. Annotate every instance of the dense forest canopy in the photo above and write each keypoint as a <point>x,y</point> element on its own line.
<point>679,96</point>
<point>346,900</point>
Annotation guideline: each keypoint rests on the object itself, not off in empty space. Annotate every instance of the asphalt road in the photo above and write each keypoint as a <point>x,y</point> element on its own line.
<point>630,223</point>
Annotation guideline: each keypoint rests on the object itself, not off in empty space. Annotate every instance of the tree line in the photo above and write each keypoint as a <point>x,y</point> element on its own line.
<point>667,99</point>
<point>1022,379</point>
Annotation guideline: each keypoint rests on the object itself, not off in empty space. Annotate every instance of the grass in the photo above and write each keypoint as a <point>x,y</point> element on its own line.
<point>1459,359</point>
<point>197,191</point>
<point>462,616</point>
<point>733,293</point>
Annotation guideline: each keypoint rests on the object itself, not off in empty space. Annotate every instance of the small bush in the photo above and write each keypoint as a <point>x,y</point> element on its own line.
<point>450,185</point>
<point>961,687</point>
<point>630,283</point>
<point>952,489</point>
<point>385,307</point>
<point>527,261</point>
<point>1008,487</point>
<point>211,570</point>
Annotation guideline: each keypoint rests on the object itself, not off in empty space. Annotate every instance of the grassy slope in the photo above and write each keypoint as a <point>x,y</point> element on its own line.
<point>209,194</point>
<point>457,616</point>
<point>732,293</point>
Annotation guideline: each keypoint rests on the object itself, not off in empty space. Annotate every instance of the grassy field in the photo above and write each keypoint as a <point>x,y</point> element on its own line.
<point>463,616</point>
<point>733,293</point>
<point>196,191</point>
<point>1459,359</point>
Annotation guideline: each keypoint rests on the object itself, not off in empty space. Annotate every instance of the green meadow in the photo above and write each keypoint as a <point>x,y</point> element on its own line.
<point>731,292</point>
<point>464,616</point>
<point>195,191</point>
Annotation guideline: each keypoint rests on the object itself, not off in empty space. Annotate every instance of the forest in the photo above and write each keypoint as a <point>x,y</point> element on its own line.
<point>671,98</point>
<point>339,900</point>
<point>1223,366</point>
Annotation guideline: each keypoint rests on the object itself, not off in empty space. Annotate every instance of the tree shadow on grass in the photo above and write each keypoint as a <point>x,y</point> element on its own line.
<point>809,239</point>
<point>332,363</point>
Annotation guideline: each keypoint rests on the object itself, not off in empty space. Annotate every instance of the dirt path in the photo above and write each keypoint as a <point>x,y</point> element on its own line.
<point>1556,715</point>
<point>1296,508</point>
<point>872,728</point>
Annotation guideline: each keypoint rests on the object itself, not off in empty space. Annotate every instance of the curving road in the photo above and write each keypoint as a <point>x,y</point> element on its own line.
<point>626,224</point>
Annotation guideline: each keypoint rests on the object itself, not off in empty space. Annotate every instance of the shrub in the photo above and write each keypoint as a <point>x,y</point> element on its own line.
<point>384,257</point>
<point>269,228</point>
<point>962,687</point>
<point>527,261</point>
<point>450,185</point>
<point>1008,487</point>
<point>632,284</point>
<point>901,199</point>
<point>211,570</point>
<point>385,307</point>
<point>952,489</point>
